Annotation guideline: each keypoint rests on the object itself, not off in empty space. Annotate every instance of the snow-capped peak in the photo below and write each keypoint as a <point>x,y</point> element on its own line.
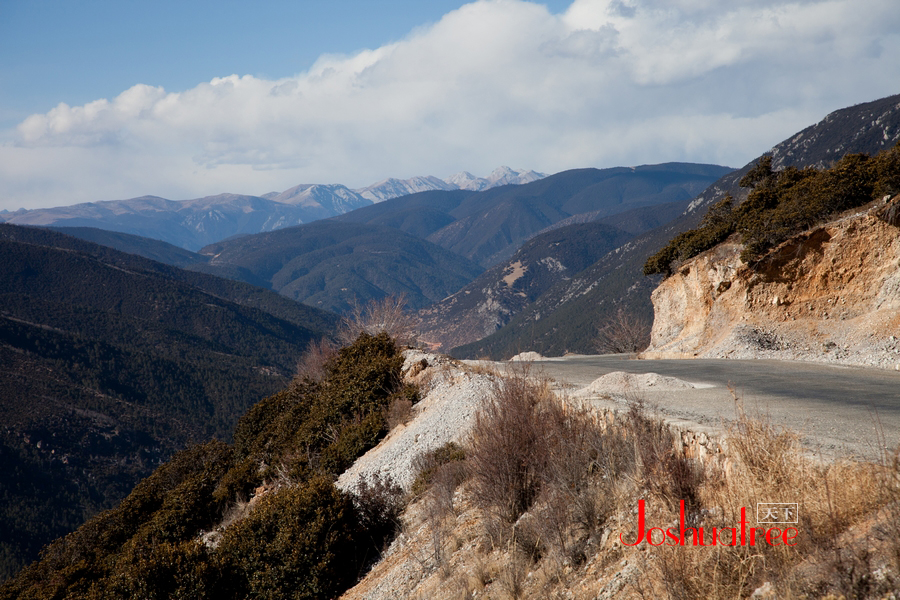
<point>499,176</point>
<point>392,188</point>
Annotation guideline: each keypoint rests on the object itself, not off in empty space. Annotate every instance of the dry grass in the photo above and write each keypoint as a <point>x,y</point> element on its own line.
<point>483,367</point>
<point>553,486</point>
<point>388,314</point>
<point>312,363</point>
<point>767,465</point>
<point>509,447</point>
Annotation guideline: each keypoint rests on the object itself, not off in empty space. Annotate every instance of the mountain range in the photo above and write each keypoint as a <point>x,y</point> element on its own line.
<point>430,244</point>
<point>110,362</point>
<point>192,224</point>
<point>567,317</point>
<point>489,226</point>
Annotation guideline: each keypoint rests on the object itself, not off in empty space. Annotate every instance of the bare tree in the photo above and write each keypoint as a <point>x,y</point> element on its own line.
<point>312,362</point>
<point>387,314</point>
<point>625,333</point>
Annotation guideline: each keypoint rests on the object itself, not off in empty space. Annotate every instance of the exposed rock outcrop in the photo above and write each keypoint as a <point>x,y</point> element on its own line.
<point>830,294</point>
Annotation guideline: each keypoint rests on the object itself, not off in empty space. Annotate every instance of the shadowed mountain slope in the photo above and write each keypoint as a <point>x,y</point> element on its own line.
<point>488,227</point>
<point>109,363</point>
<point>332,264</point>
<point>501,292</point>
<point>153,249</point>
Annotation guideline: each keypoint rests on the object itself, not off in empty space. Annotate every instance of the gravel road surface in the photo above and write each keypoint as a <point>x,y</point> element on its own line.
<point>838,410</point>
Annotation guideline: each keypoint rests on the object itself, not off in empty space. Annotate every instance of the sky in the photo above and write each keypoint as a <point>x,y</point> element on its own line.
<point>103,100</point>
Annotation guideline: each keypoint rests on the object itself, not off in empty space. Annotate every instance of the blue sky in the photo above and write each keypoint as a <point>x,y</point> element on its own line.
<point>56,51</point>
<point>102,100</point>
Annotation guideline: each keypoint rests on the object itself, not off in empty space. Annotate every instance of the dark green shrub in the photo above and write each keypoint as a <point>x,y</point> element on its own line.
<point>427,465</point>
<point>165,570</point>
<point>298,543</point>
<point>379,502</point>
<point>169,507</point>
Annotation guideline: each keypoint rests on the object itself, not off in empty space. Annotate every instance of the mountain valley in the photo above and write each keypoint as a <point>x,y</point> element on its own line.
<point>183,412</point>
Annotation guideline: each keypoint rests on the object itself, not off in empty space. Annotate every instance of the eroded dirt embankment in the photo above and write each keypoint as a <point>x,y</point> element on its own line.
<point>831,294</point>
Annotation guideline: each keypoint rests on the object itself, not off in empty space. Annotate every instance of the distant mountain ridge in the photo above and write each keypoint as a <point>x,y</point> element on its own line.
<point>333,265</point>
<point>489,226</point>
<point>192,224</point>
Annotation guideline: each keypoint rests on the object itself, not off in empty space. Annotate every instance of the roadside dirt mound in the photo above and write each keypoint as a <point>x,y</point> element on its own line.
<point>526,357</point>
<point>619,382</point>
<point>445,414</point>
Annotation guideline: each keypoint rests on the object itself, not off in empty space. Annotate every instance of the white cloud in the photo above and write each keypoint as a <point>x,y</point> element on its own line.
<point>609,82</point>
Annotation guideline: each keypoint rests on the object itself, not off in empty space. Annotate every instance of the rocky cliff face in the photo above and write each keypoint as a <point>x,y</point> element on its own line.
<point>831,294</point>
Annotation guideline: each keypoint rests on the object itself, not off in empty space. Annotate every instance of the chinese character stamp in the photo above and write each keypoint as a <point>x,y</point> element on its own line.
<point>777,512</point>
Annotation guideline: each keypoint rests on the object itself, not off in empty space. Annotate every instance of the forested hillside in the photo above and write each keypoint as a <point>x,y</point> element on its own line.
<point>303,539</point>
<point>109,363</point>
<point>334,265</point>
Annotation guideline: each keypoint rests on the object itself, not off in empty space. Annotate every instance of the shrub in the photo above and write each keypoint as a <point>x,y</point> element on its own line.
<point>507,448</point>
<point>379,502</point>
<point>387,315</point>
<point>783,203</point>
<point>666,470</point>
<point>626,333</point>
<point>299,542</point>
<point>428,464</point>
<point>327,424</point>
<point>168,508</point>
<point>312,363</point>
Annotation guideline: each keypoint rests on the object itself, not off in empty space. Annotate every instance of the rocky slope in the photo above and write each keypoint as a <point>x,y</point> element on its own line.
<point>830,294</point>
<point>498,294</point>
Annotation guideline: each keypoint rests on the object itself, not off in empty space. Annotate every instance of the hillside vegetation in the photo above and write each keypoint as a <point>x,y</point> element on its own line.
<point>302,539</point>
<point>783,203</point>
<point>548,497</point>
<point>498,294</point>
<point>110,363</point>
<point>157,250</point>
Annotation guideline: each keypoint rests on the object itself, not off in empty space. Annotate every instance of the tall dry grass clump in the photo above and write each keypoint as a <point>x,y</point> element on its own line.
<point>545,474</point>
<point>508,447</point>
<point>388,314</point>
<point>312,362</point>
<point>838,503</point>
